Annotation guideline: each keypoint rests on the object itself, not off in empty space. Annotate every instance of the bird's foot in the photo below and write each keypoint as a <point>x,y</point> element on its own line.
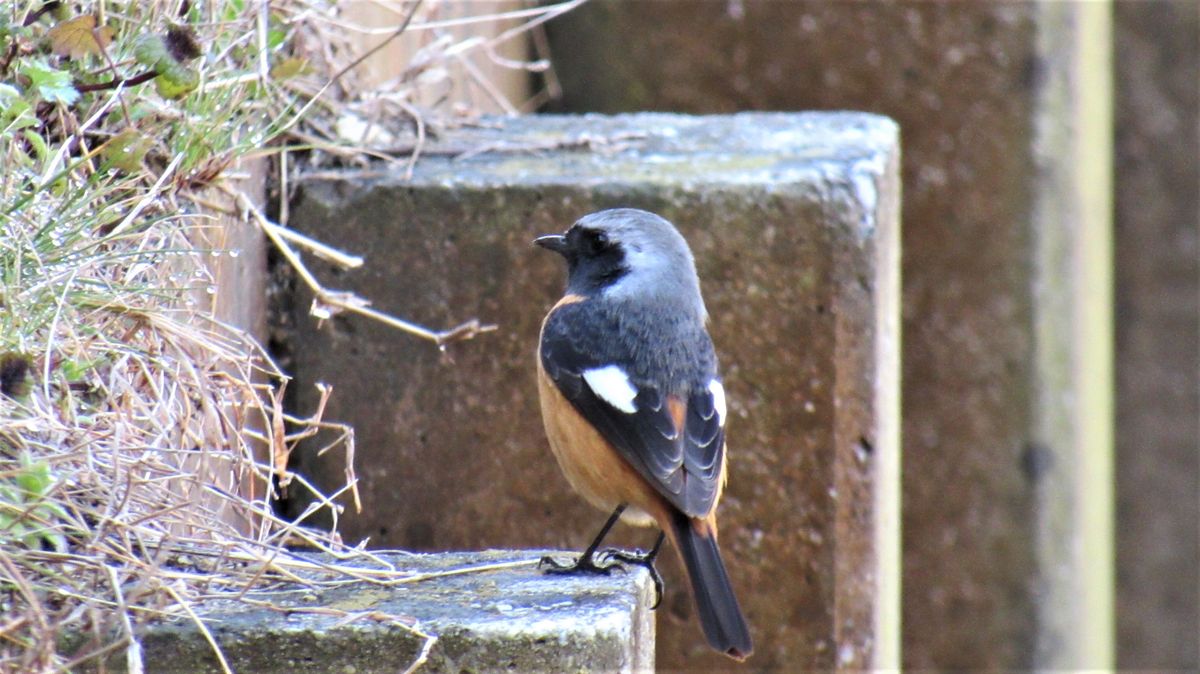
<point>582,564</point>
<point>638,558</point>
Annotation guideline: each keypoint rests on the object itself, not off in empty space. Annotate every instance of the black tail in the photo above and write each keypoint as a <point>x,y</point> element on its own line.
<point>720,615</point>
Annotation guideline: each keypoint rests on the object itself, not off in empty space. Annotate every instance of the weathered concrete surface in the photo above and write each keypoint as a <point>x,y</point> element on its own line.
<point>968,83</point>
<point>793,223</point>
<point>1158,334</point>
<point>513,618</point>
<point>1072,327</point>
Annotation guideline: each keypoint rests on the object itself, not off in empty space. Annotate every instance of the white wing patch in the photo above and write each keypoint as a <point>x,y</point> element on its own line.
<point>612,385</point>
<point>718,394</point>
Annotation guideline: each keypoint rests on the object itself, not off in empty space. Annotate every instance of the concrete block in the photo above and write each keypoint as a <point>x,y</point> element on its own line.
<point>1006,424</point>
<point>1157,333</point>
<point>793,222</point>
<point>512,619</point>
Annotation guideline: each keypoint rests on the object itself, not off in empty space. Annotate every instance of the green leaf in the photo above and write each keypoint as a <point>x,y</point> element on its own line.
<point>234,9</point>
<point>73,370</point>
<point>35,479</point>
<point>150,49</point>
<point>126,150</point>
<point>275,38</point>
<point>55,510</point>
<point>176,81</point>
<point>16,530</point>
<point>10,496</point>
<point>51,84</point>
<point>15,111</point>
<point>168,56</point>
<point>290,67</point>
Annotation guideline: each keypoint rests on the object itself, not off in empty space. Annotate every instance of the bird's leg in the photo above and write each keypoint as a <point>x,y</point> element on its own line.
<point>645,559</point>
<point>587,561</point>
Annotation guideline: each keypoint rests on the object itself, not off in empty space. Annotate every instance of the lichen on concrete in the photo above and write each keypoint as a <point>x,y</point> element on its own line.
<point>512,618</point>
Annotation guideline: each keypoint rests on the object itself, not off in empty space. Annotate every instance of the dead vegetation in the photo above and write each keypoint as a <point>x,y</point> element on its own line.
<point>143,441</point>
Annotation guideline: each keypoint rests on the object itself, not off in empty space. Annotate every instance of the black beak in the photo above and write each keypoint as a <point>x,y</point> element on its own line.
<point>554,242</point>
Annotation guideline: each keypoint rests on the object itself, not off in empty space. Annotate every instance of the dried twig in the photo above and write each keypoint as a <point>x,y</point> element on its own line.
<point>412,12</point>
<point>328,303</point>
<point>140,405</point>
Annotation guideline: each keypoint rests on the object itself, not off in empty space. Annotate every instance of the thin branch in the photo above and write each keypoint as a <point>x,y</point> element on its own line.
<point>115,82</point>
<point>32,17</point>
<point>208,636</point>
<point>437,24</point>
<point>353,64</point>
<point>330,302</point>
<point>321,250</point>
<point>417,147</point>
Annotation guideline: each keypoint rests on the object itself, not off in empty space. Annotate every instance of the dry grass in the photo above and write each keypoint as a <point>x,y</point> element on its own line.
<point>141,440</point>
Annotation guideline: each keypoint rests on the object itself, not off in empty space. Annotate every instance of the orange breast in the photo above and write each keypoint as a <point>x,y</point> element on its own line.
<point>590,463</point>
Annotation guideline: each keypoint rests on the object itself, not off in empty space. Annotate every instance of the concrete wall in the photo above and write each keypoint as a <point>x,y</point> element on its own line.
<point>1006,378</point>
<point>1158,333</point>
<point>794,223</point>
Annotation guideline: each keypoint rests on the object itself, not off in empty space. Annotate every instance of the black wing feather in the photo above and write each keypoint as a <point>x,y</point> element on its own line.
<point>706,443</point>
<point>684,466</point>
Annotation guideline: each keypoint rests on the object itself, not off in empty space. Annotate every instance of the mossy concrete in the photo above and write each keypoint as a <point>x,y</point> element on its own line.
<point>793,222</point>
<point>512,619</point>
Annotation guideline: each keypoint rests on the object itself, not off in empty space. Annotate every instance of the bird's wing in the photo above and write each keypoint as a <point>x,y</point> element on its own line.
<point>676,442</point>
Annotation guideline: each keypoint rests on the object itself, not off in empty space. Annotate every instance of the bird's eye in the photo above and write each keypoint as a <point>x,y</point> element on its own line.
<point>598,241</point>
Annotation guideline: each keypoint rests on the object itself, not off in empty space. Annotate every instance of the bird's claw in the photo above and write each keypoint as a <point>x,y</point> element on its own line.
<point>637,558</point>
<point>582,564</point>
<point>608,559</point>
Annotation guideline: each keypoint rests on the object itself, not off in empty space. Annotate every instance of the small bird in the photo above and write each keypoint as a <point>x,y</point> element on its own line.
<point>632,403</point>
